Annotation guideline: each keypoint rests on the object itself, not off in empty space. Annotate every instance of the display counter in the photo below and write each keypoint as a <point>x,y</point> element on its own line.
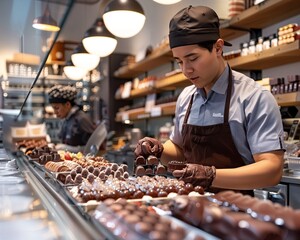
<point>292,180</point>
<point>36,207</point>
<point>35,202</point>
<point>291,177</point>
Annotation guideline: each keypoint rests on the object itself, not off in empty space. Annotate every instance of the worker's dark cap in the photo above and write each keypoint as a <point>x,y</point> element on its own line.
<point>194,25</point>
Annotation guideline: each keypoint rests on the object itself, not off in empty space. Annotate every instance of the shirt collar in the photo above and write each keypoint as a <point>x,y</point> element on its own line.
<point>221,84</point>
<point>72,111</point>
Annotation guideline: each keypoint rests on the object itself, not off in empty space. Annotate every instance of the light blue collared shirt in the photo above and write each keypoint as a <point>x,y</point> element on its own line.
<point>254,116</point>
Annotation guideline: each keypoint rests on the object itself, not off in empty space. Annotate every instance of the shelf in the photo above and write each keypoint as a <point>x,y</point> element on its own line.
<point>260,16</point>
<point>164,84</point>
<point>288,99</point>
<point>276,56</point>
<point>168,109</point>
<point>257,17</point>
<point>165,109</point>
<point>141,92</point>
<point>158,57</point>
<point>254,17</point>
<point>172,82</point>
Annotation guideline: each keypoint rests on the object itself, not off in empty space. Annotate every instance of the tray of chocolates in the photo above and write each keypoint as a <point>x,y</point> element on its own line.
<point>93,190</point>
<point>90,173</point>
<point>238,216</point>
<point>149,166</point>
<point>128,220</point>
<point>43,154</point>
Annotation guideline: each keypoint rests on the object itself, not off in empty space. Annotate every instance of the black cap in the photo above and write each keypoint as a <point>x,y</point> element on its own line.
<point>193,25</point>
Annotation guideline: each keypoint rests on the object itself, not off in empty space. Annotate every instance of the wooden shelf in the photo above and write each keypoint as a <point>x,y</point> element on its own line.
<point>172,82</point>
<point>165,84</point>
<point>257,17</point>
<point>167,109</point>
<point>141,92</point>
<point>288,99</point>
<point>160,56</point>
<point>276,56</point>
<point>260,16</point>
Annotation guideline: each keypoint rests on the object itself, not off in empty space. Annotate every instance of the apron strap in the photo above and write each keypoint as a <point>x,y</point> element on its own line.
<point>228,96</point>
<point>188,111</point>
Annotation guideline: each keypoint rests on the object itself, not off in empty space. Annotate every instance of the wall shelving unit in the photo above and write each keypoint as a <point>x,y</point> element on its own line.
<point>256,17</point>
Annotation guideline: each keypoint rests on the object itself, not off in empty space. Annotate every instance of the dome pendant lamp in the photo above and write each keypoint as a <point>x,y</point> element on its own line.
<point>74,73</point>
<point>124,18</point>
<point>167,2</point>
<point>82,59</point>
<point>98,40</point>
<point>46,22</point>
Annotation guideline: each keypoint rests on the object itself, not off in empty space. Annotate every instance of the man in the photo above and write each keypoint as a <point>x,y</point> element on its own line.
<point>227,128</point>
<point>77,126</point>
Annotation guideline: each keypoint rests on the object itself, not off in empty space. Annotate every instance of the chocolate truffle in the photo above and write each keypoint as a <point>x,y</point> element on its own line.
<point>140,160</point>
<point>152,160</point>
<point>140,171</point>
<point>84,173</point>
<point>161,170</point>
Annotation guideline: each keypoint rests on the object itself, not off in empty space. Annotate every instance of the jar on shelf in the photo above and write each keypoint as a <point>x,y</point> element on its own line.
<point>259,44</point>
<point>266,43</point>
<point>244,49</point>
<point>164,132</point>
<point>236,7</point>
<point>274,40</point>
<point>251,48</point>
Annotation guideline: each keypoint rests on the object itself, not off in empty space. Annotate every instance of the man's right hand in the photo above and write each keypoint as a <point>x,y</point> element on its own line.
<point>149,146</point>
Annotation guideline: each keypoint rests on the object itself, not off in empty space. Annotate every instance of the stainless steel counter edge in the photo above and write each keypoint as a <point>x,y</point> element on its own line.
<point>67,215</point>
<point>289,177</point>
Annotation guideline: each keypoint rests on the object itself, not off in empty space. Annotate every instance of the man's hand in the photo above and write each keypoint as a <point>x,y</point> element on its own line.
<point>196,174</point>
<point>149,146</point>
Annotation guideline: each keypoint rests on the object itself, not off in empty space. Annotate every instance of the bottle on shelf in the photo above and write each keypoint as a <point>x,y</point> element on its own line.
<point>164,132</point>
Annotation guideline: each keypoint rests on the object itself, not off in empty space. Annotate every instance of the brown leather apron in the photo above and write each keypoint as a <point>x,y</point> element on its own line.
<point>212,145</point>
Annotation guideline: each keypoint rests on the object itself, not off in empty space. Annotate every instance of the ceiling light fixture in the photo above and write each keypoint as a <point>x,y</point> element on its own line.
<point>167,2</point>
<point>46,22</point>
<point>124,18</point>
<point>82,59</point>
<point>74,73</point>
<point>98,40</point>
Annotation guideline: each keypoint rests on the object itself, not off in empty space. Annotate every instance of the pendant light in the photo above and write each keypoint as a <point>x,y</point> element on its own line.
<point>46,22</point>
<point>74,73</point>
<point>167,2</point>
<point>82,59</point>
<point>124,18</point>
<point>98,40</point>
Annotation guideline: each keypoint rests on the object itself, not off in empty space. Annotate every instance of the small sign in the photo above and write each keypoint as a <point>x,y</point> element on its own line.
<point>127,89</point>
<point>156,112</point>
<point>125,116</point>
<point>150,102</point>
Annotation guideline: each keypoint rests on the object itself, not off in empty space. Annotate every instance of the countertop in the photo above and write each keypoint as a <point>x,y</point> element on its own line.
<point>291,176</point>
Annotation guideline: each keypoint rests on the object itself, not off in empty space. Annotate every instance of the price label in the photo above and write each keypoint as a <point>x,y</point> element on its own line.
<point>150,102</point>
<point>125,116</point>
<point>156,112</point>
<point>126,90</point>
